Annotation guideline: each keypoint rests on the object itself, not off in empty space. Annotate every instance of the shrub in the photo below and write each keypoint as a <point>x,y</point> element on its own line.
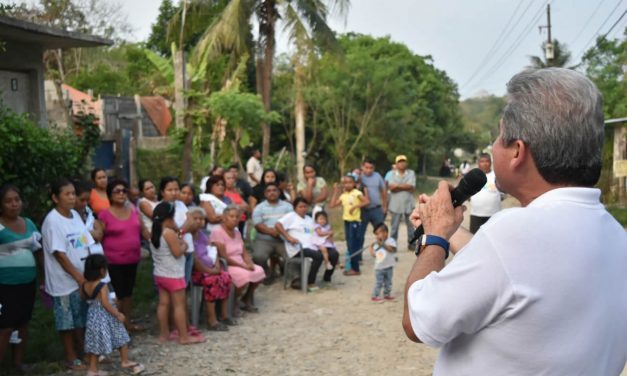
<point>32,157</point>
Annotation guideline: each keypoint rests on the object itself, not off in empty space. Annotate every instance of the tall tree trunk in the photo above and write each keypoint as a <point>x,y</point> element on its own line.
<point>179,88</point>
<point>299,114</point>
<point>267,31</point>
<point>188,148</point>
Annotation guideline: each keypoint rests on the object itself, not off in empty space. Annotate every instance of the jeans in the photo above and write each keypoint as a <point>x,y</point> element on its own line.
<point>383,280</point>
<point>374,216</point>
<point>352,231</point>
<point>316,261</point>
<point>396,220</point>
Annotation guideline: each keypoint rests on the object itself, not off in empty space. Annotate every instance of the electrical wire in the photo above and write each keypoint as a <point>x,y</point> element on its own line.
<point>583,50</point>
<point>587,22</point>
<point>502,36</point>
<point>508,53</point>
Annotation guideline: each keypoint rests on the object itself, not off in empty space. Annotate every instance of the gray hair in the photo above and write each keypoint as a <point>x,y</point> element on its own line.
<point>558,113</point>
<point>197,210</point>
<point>230,208</point>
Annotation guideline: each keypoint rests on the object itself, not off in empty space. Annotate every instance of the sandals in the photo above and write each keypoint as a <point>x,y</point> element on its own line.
<point>134,328</point>
<point>191,331</point>
<point>218,327</point>
<point>75,365</point>
<point>193,340</point>
<point>134,368</point>
<point>229,322</point>
<point>249,308</point>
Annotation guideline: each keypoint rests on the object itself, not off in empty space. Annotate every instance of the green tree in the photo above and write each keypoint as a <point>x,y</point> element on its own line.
<point>605,65</point>
<point>561,57</point>
<point>481,118</point>
<point>157,40</point>
<point>231,31</point>
<point>379,99</point>
<point>33,157</point>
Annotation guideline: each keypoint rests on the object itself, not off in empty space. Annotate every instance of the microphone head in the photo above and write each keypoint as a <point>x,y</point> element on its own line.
<point>473,181</point>
<point>470,184</point>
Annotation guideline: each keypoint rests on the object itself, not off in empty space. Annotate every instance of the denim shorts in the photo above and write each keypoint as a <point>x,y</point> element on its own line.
<point>70,311</point>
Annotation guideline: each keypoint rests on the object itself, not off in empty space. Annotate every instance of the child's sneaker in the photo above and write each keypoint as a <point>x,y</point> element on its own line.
<point>389,298</point>
<point>376,299</point>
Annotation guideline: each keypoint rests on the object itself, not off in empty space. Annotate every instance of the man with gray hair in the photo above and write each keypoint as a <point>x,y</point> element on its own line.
<point>540,290</point>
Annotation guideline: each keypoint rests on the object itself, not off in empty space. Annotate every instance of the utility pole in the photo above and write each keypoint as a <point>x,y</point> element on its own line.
<point>549,52</point>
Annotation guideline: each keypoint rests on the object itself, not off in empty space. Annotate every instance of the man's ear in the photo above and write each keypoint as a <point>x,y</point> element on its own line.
<point>519,153</point>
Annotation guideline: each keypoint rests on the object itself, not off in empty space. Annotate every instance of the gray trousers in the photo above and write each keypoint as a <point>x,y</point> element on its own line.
<point>263,249</point>
<point>396,221</point>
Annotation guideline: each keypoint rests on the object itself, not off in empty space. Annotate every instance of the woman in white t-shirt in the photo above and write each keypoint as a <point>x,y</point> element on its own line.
<point>66,242</point>
<point>297,228</point>
<point>214,201</point>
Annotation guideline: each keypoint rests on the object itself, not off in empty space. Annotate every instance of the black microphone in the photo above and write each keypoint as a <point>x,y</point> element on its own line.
<point>470,184</point>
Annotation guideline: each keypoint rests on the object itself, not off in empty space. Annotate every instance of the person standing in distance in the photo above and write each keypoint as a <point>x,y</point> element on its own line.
<point>540,290</point>
<point>487,201</point>
<point>402,184</point>
<point>254,169</point>
<point>375,212</point>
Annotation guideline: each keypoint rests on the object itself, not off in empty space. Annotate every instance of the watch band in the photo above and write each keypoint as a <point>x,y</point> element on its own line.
<point>425,240</point>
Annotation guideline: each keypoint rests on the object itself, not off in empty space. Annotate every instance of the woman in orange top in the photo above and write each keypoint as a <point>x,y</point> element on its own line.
<point>98,199</point>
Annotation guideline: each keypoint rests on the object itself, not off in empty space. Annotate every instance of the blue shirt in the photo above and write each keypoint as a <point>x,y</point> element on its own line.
<point>375,185</point>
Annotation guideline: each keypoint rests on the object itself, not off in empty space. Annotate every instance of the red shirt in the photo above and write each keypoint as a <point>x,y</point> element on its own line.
<point>236,199</point>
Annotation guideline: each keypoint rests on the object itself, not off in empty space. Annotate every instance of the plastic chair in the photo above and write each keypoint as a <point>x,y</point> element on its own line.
<point>197,300</point>
<point>302,264</point>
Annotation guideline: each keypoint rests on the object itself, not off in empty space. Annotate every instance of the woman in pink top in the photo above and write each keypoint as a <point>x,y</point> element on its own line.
<point>121,243</point>
<point>244,273</point>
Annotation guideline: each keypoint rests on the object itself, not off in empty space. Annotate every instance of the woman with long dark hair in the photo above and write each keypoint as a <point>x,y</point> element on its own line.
<point>98,199</point>
<point>122,232</point>
<point>19,240</point>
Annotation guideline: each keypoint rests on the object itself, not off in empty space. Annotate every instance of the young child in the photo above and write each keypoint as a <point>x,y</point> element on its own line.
<point>168,255</point>
<point>323,237</point>
<point>352,200</point>
<point>383,252</point>
<point>81,206</point>
<point>105,324</point>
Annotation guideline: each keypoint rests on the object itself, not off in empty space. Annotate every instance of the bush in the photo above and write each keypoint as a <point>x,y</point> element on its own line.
<point>32,157</point>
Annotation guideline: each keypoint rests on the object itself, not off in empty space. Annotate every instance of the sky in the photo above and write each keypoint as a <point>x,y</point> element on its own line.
<point>459,34</point>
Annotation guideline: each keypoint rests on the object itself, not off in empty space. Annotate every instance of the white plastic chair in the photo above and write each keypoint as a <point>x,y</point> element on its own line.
<point>301,264</point>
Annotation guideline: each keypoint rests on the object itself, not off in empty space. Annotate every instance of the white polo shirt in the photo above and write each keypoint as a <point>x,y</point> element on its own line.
<point>487,201</point>
<point>540,290</point>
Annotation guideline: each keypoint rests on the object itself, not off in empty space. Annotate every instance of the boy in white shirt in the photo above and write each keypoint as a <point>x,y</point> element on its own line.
<point>383,252</point>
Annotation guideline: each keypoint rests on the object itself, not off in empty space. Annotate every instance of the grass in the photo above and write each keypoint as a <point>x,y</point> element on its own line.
<point>44,350</point>
<point>620,214</point>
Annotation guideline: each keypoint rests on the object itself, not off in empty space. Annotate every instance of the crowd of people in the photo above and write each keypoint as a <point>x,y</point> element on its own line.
<point>94,237</point>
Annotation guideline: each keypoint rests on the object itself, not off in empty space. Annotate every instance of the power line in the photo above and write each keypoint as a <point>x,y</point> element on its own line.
<point>583,50</point>
<point>496,42</point>
<point>615,23</point>
<point>587,22</point>
<point>495,67</point>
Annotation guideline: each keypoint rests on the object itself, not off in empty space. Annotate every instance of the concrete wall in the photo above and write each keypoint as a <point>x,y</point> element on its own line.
<point>24,62</point>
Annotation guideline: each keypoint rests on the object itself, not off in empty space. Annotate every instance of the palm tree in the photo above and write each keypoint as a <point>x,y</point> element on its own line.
<point>561,57</point>
<point>229,33</point>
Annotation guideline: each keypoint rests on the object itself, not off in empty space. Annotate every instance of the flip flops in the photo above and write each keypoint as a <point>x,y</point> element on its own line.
<point>134,368</point>
<point>75,365</point>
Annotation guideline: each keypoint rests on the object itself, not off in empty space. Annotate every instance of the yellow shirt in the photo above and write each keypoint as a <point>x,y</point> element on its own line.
<point>349,200</point>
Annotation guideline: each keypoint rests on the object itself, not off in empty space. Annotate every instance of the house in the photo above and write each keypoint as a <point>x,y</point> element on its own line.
<point>21,62</point>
